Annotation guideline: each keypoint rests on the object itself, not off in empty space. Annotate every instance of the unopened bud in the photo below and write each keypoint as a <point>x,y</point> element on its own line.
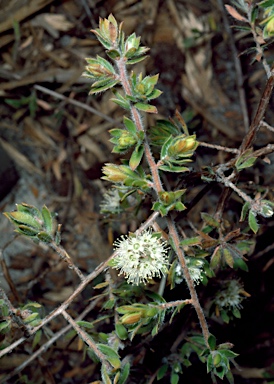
<point>217,359</point>
<point>126,140</point>
<point>131,318</point>
<point>113,173</point>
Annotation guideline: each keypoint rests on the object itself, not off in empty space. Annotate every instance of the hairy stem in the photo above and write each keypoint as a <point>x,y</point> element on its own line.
<point>195,301</point>
<point>158,188</point>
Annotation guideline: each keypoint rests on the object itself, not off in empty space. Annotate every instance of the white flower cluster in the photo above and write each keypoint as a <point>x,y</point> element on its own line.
<point>141,257</point>
<point>230,296</point>
<point>111,202</point>
<point>195,268</point>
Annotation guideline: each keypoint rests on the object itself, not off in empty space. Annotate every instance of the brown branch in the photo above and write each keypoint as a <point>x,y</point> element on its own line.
<point>256,122</point>
<point>65,256</point>
<point>195,301</point>
<point>76,103</point>
<point>8,277</point>
<point>87,339</point>
<point>218,147</point>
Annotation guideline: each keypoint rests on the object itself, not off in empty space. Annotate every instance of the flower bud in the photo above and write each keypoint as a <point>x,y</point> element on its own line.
<point>126,140</point>
<point>217,359</point>
<point>151,312</point>
<point>114,173</point>
<point>131,318</point>
<point>182,144</point>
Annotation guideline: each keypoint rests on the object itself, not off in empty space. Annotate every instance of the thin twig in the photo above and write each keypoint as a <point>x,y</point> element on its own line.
<point>171,304</point>
<point>256,122</point>
<point>264,151</point>
<point>8,277</point>
<point>65,256</point>
<point>77,103</point>
<point>195,301</point>
<point>219,147</point>
<point>87,339</point>
<point>267,126</point>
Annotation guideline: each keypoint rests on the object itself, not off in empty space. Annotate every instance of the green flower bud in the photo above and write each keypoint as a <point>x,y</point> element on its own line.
<point>114,173</point>
<point>131,318</point>
<point>126,140</point>
<point>183,146</point>
<point>217,359</point>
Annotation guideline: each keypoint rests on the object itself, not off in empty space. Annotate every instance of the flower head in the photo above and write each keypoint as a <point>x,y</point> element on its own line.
<point>111,202</point>
<point>141,257</point>
<point>195,268</point>
<point>230,295</point>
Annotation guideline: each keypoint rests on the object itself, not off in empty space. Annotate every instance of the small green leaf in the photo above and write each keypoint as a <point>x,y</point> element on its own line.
<point>229,354</point>
<point>224,316</point>
<point>102,86</point>
<point>230,378</point>
<point>212,342</point>
<point>113,54</point>
<point>26,231</point>
<point>191,241</point>
<point>4,326</point>
<point>266,3</point>
<point>130,125</point>
<point>173,168</point>
<point>246,164</point>
<point>33,304</point>
<point>162,371</point>
<point>85,324</point>
<point>44,237</point>
<point>122,103</point>
<point>48,220</point>
<point>236,313</point>
<point>124,374</point>
<point>136,156</point>
<point>146,108</point>
<point>174,378</point>
<point>136,60</point>
<point>111,355</point>
<point>246,160</point>
<point>245,209</point>
<point>228,257</point>
<point>31,317</point>
<point>23,218</point>
<point>217,359</point>
<point>121,331</point>
<point>37,338</point>
<point>252,222</point>
<point>216,257</point>
<point>240,263</point>
<point>109,304</point>
<point>105,376</point>
<point>210,220</point>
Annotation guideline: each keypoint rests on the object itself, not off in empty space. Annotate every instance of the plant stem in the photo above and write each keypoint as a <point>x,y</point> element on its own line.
<point>256,122</point>
<point>158,188</point>
<point>195,301</point>
<point>87,339</point>
<point>65,256</point>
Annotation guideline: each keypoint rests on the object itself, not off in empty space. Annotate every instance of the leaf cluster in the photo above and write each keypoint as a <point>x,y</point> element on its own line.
<point>38,225</point>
